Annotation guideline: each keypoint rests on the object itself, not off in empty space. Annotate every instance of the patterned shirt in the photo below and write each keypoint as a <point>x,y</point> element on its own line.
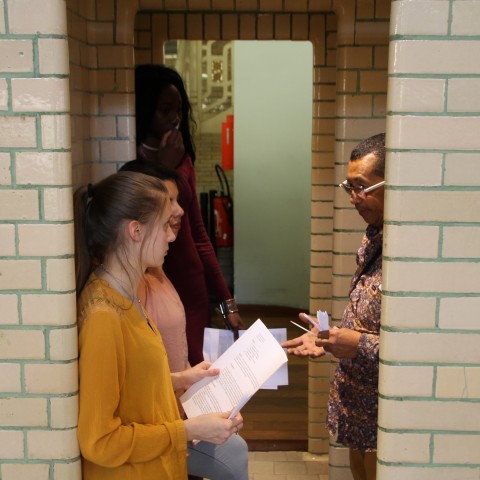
<point>353,402</point>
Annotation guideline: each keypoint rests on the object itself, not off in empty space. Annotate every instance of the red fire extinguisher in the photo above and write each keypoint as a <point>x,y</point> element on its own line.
<point>223,212</point>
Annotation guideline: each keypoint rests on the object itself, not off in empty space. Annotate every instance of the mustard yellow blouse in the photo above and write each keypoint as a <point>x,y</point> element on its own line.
<point>129,426</point>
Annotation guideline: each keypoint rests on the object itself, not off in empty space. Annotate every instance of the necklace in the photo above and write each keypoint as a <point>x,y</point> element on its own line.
<point>148,147</point>
<point>123,290</point>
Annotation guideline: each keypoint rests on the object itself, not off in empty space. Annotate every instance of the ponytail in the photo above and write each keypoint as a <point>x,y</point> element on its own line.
<point>100,210</point>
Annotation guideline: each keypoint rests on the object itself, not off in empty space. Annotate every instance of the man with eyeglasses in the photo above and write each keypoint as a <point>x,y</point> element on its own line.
<point>353,401</point>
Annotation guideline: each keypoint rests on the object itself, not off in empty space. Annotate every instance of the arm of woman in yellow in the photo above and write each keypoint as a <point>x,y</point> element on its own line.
<point>105,438</point>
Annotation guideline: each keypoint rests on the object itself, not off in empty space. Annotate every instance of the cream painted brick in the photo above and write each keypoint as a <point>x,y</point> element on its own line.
<point>321,225</point>
<point>448,277</point>
<point>126,127</point>
<point>10,378</point>
<point>53,56</point>
<point>354,57</point>
<point>61,274</point>
<point>43,168</point>
<point>353,105</point>
<point>11,444</point>
<point>442,206</point>
<point>430,347</point>
<point>405,381</point>
<point>456,449</point>
<point>434,57</point>
<point>99,171</point>
<point>422,17</point>
<point>22,344</point>
<point>55,131</point>
<point>64,412</point>
<point>58,444</point>
<point>321,242</point>
<point>3,94</point>
<point>52,310</point>
<point>408,312</point>
<point>410,241</point>
<point>5,169</point>
<point>461,242</point>
<point>373,81</point>
<point>322,194</point>
<point>347,242</point>
<point>117,104</point>
<point>17,132</point>
<point>338,456</point>
<point>391,472</point>
<point>403,447</point>
<point>360,129</point>
<point>40,94</point>
<point>416,95</point>
<point>444,133</point>
<point>344,265</point>
<point>414,169</point>
<point>64,344</point>
<point>371,33</point>
<point>459,313</point>
<point>55,378</point>
<point>47,17</point>
<point>462,169</point>
<point>58,204</point>
<point>429,415</point>
<point>117,150</point>
<point>9,308</point>
<point>7,240</point>
<point>465,15</point>
<point>116,56</point>
<point>322,209</point>
<point>103,127</point>
<point>349,220</point>
<point>16,56</point>
<point>23,412</point>
<point>463,95</point>
<point>20,274</point>
<point>458,382</point>
<point>45,239</point>
<point>18,205</point>
<point>14,471</point>
<point>2,17</point>
<point>72,471</point>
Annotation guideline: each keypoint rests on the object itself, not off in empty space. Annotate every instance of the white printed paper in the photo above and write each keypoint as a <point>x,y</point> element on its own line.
<point>244,367</point>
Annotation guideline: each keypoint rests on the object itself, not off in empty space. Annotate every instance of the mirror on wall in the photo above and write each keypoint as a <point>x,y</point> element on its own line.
<point>267,87</point>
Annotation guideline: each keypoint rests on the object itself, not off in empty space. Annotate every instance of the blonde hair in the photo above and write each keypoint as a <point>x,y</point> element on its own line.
<point>101,209</point>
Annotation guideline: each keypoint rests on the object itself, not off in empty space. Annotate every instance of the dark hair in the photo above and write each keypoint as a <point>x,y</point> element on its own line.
<point>100,210</point>
<point>153,169</point>
<point>375,145</point>
<point>150,80</point>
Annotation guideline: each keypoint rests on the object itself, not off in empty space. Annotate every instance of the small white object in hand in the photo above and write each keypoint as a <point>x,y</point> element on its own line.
<point>322,318</point>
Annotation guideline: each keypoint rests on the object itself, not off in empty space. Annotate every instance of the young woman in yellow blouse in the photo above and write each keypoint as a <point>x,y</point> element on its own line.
<point>129,425</point>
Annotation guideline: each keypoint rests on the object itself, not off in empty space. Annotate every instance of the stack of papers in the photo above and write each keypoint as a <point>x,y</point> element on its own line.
<point>245,366</point>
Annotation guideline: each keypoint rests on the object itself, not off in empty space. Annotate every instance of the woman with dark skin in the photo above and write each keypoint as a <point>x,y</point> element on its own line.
<point>163,116</point>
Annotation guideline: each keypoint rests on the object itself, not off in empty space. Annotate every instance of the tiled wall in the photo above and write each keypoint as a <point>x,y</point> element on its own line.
<point>430,370</point>
<point>38,336</point>
<point>429,406</point>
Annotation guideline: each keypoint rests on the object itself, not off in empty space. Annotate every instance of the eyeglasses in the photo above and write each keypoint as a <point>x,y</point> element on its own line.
<point>360,190</point>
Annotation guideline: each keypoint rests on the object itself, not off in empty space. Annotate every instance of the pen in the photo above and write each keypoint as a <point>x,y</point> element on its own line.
<point>299,326</point>
<point>309,319</point>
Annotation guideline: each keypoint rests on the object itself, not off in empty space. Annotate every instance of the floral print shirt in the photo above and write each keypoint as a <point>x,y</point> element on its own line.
<point>353,402</point>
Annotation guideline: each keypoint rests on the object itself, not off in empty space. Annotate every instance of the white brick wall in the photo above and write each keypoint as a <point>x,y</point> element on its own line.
<point>38,340</point>
<point>429,348</point>
<point>429,368</point>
